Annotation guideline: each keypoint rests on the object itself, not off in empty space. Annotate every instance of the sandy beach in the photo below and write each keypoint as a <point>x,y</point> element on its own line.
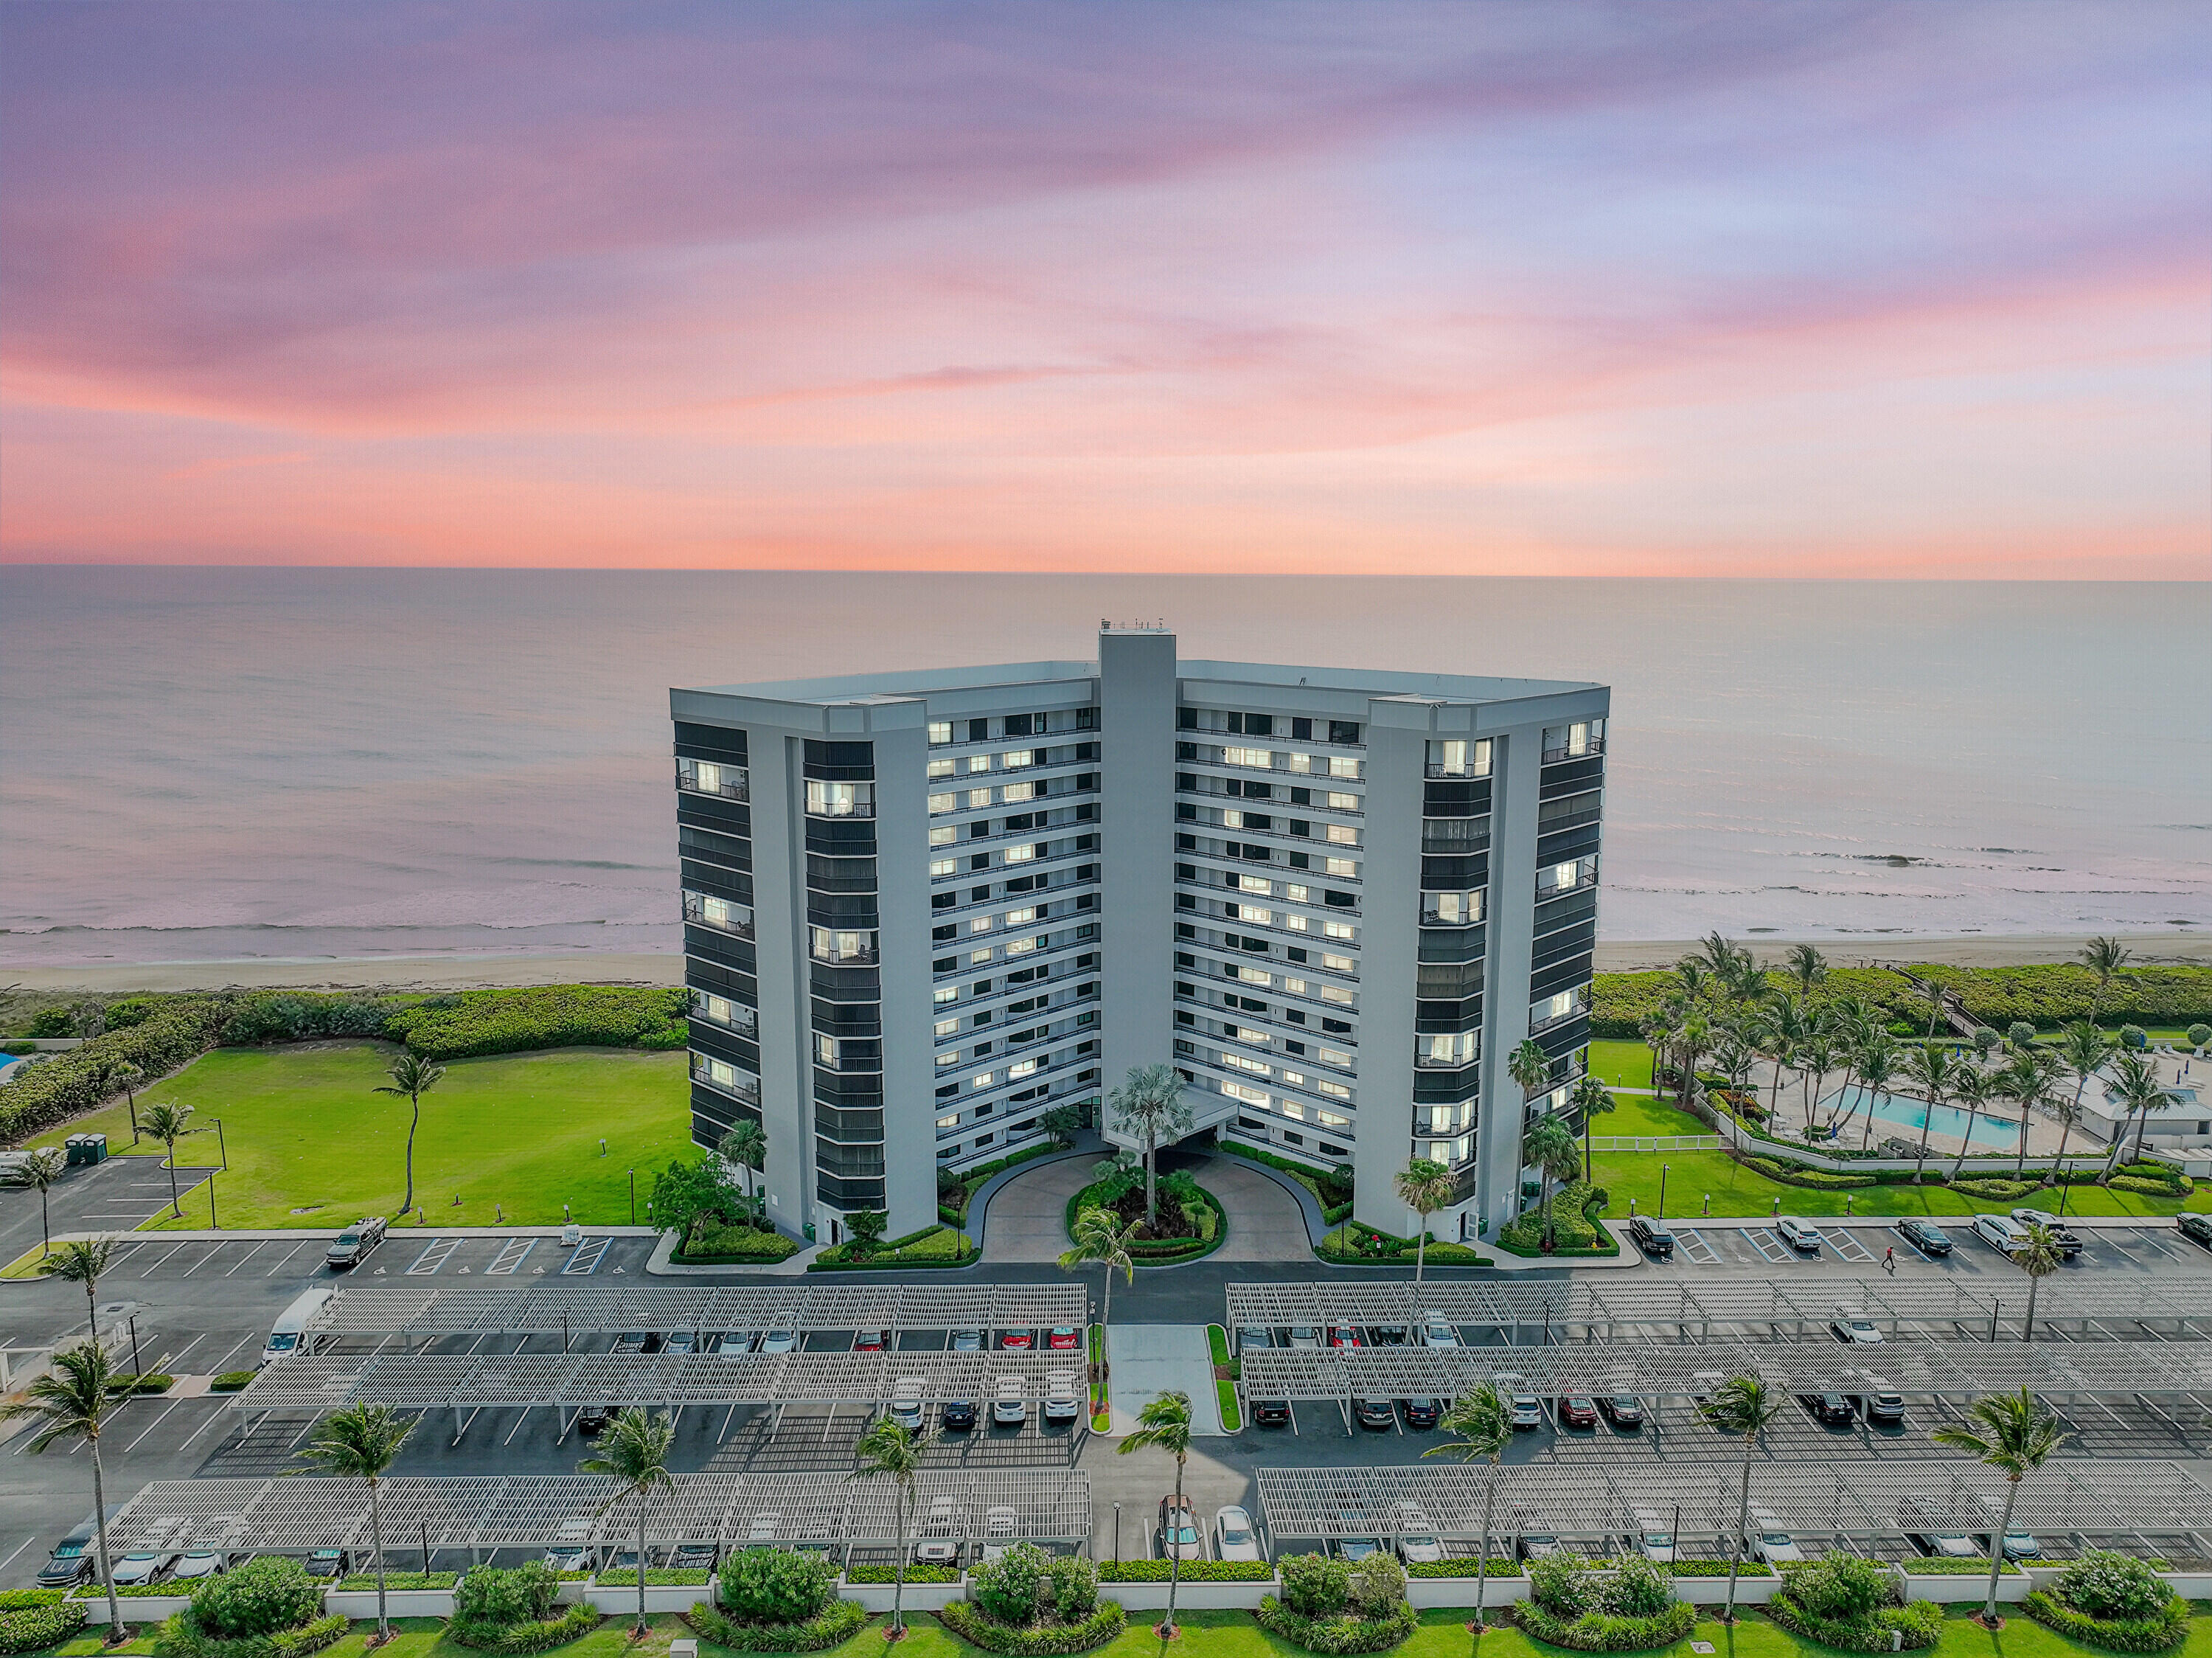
<point>470,973</point>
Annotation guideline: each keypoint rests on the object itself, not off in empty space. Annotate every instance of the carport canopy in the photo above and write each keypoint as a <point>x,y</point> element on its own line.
<point>530,1511</point>
<point>554,1308</point>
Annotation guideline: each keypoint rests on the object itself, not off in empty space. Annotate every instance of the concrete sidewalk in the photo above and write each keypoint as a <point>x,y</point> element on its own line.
<point>1148,1360</point>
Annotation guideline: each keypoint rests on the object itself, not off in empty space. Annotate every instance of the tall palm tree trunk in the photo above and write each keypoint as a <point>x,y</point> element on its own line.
<point>407,1202</point>
<point>376,1542</point>
<point>640,1562</point>
<point>1742,1524</point>
<point>1421,1219</point>
<point>1174,1555</point>
<point>1965,1139</point>
<point>898,1578</point>
<point>99,1514</point>
<point>176,1203</point>
<point>1482,1562</point>
<point>1997,1552</point>
<point>1151,1183</point>
<point>2058,1163</point>
<point>2034,1284</point>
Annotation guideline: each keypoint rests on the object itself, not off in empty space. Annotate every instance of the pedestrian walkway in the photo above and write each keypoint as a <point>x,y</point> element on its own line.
<point>1148,1360</point>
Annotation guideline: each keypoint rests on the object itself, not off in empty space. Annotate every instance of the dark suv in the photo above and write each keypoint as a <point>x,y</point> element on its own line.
<point>1271,1413</point>
<point>958,1416</point>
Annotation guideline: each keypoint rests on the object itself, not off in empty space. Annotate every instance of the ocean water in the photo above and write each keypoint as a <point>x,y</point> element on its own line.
<point>207,764</point>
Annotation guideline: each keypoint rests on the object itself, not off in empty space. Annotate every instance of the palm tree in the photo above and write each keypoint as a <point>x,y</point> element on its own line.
<point>1101,1241</point>
<point>1695,976</point>
<point>1819,1059</point>
<point>1165,1425</point>
<point>1479,1428</point>
<point>1657,1031</point>
<point>40,1167</point>
<point>1930,1067</point>
<point>2014,1434</point>
<point>2039,1257</point>
<point>2084,1050</point>
<point>1972,1087</point>
<point>2031,1082</point>
<point>2103,957</point>
<point>1531,1067</point>
<point>1551,1148</point>
<point>1150,1102</point>
<point>1788,1031</point>
<point>2134,1078</point>
<point>127,1077</point>
<point>634,1452</point>
<point>1695,1041</point>
<point>1746,1407</point>
<point>412,1076</point>
<point>1808,966</point>
<point>71,1402</point>
<point>745,1145</point>
<point>166,1123</point>
<point>81,1261</point>
<point>890,1450</point>
<point>1591,1098</point>
<point>362,1442</point>
<point>1876,1062</point>
<point>1424,1186</point>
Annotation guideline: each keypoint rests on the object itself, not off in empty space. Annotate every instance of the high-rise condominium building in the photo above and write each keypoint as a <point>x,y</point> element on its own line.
<point>922,909</point>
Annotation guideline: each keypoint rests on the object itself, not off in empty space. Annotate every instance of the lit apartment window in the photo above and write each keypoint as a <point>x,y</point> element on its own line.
<point>1298,894</point>
<point>948,1028</point>
<point>1567,742</point>
<point>1339,929</point>
<point>1259,884</point>
<point>1343,834</point>
<point>1020,1068</point>
<point>1447,1048</point>
<point>1336,1056</point>
<point>1250,1096</point>
<point>1258,915</point>
<point>1451,909</point>
<point>979,763</point>
<point>1020,918</point>
<point>1015,793</point>
<point>1257,1067</point>
<point>1022,946</point>
<point>1554,879</point>
<point>832,945</point>
<point>978,797</point>
<point>1343,803</point>
<point>1020,854</point>
<point>1334,1090</point>
<point>721,1073</point>
<point>1450,1152</point>
<point>1262,759</point>
<point>1343,765</point>
<point>940,769</point>
<point>840,799</point>
<point>1331,1119</point>
<point>707,910</point>
<point>1348,867</point>
<point>947,835</point>
<point>1458,758</point>
<point>1258,1038</point>
<point>940,731</point>
<point>1553,1008</point>
<point>711,777</point>
<point>952,1121</point>
<point>720,1010</point>
<point>1014,758</point>
<point>946,993</point>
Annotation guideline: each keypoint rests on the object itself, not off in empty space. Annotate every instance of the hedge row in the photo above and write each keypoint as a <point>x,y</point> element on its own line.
<point>837,1623</point>
<point>1340,1633</point>
<point>914,1574</point>
<point>1193,1571</point>
<point>181,1637</point>
<point>519,1640</point>
<point>34,1629</point>
<point>2161,1633</point>
<point>1606,1631</point>
<point>971,1625</point>
<point>1908,1628</point>
<point>1818,1179</point>
<point>550,1016</point>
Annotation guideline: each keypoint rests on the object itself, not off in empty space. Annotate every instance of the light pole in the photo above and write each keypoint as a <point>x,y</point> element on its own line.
<point>137,1364</point>
<point>633,1196</point>
<point>222,1145</point>
<point>214,1225</point>
<point>1663,1191</point>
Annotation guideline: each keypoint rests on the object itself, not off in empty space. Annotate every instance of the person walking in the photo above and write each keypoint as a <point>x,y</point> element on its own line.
<point>1889,1260</point>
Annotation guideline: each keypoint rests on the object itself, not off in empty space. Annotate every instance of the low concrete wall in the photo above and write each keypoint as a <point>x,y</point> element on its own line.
<point>1713,1591</point>
<point>919,1597</point>
<point>2189,1585</point>
<point>136,1609</point>
<point>399,1603</point>
<point>1497,1591</point>
<point>1189,1597</point>
<point>1955,1589</point>
<point>614,1598</point>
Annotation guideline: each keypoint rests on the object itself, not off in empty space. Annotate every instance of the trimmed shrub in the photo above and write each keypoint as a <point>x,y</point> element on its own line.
<point>714,1242</point>
<point>838,1623</point>
<point>1007,1589</point>
<point>535,1634</point>
<point>1193,1571</point>
<point>2148,1186</point>
<point>34,1629</point>
<point>75,1082</point>
<point>1341,1632</point>
<point>522,1595</point>
<point>546,1017</point>
<point>1501,1565</point>
<point>1838,1587</point>
<point>2105,1584</point>
<point>914,1574</point>
<point>1817,1180</point>
<point>396,1580</point>
<point>775,1586</point>
<point>1104,1624</point>
<point>1605,1631</point>
<point>1315,1585</point>
<point>232,1381</point>
<point>261,1597</point>
<point>1841,1601</point>
<point>1901,1628</point>
<point>2161,1631</point>
<point>1979,1186</point>
<point>181,1637</point>
<point>933,1246</point>
<point>1571,1603</point>
<point>16,1600</point>
<point>1074,1587</point>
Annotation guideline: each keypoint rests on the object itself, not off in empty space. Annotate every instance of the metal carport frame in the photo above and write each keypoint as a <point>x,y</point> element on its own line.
<point>553,1308</point>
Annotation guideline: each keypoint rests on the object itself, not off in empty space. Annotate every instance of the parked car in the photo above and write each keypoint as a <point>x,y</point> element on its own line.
<point>1855,1330</point>
<point>141,1566</point>
<point>352,1247</point>
<point>733,1343</point>
<point>1654,1538</point>
<point>569,1556</point>
<point>967,1341</point>
<point>2197,1228</point>
<point>199,1563</point>
<point>1063,1339</point>
<point>1577,1411</point>
<point>938,1535</point>
<point>1800,1234</point>
<point>867,1341</point>
<point>1379,1414</point>
<point>906,1403</point>
<point>1925,1236</point>
<point>72,1560</point>
<point>1652,1237</point>
<point>1947,1545</point>
<point>1343,1335</point>
<point>624,1563</point>
<point>1833,1409</point>
<point>1002,1529</point>
<point>1438,1331</point>
<point>1017,1341</point>
<point>781,1335</point>
<point>592,1420</point>
<point>680,1341</point>
<point>1271,1413</point>
<point>1769,1542</point>
<point>630,1341</point>
<point>1233,1536</point>
<point>1179,1535</point>
<point>692,1556</point>
<point>1523,1410</point>
<point>1536,1546</point>
<point>1252,1336</point>
<point>1417,1540</point>
<point>2068,1240</point>
<point>328,1565</point>
<point>1304,1335</point>
<point>2018,1545</point>
<point>1354,1548</point>
<point>1622,1410</point>
<point>1887,1410</point>
<point>2002,1233</point>
<point>1386,1335</point>
<point>1011,1409</point>
<point>1422,1414</point>
<point>1062,1400</point>
<point>957,1416</point>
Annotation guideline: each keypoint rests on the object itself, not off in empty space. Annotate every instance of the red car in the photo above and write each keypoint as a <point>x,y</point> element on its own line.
<point>1577,1411</point>
<point>1343,1334</point>
<point>1064,1338</point>
<point>1015,1341</point>
<point>867,1341</point>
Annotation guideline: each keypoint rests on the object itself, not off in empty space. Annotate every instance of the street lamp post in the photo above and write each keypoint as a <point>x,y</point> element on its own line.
<point>222,1145</point>
<point>633,1196</point>
<point>214,1225</point>
<point>1663,1191</point>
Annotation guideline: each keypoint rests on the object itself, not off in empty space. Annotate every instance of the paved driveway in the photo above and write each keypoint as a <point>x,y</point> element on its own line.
<point>1026,1214</point>
<point>1265,1223</point>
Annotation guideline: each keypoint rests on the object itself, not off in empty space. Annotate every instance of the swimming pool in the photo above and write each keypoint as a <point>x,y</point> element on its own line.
<point>1902,1111</point>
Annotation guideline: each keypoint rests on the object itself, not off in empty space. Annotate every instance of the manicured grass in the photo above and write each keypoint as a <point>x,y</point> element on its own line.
<point>305,1130</point>
<point>1737,1190</point>
<point>1621,1064</point>
<point>1640,1113</point>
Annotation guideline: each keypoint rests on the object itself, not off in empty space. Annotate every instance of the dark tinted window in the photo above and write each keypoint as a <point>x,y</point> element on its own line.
<point>979,731</point>
<point>1344,731</point>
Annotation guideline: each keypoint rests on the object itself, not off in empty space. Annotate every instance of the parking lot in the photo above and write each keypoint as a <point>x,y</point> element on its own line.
<point>1850,1247</point>
<point>151,1258</point>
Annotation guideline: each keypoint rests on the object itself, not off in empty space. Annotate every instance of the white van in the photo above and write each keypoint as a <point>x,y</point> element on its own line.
<point>289,1335</point>
<point>2001,1232</point>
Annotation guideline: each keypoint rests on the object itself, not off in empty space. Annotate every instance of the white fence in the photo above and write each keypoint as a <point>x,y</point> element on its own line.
<point>1656,1143</point>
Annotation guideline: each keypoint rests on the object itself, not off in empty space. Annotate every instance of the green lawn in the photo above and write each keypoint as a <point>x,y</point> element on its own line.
<point>1641,1113</point>
<point>1621,1064</point>
<point>1443,1634</point>
<point>306,1131</point>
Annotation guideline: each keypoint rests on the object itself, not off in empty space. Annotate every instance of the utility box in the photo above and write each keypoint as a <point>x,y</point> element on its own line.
<point>86,1149</point>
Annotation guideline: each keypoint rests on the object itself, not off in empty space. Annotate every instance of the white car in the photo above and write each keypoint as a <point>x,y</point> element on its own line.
<point>1002,1529</point>
<point>1953,1546</point>
<point>1061,1402</point>
<point>967,1341</point>
<point>140,1566</point>
<point>1011,1409</point>
<point>1854,1330</point>
<point>734,1343</point>
<point>782,1334</point>
<point>1801,1235</point>
<point>571,1550</point>
<point>2001,1233</point>
<point>1179,1534</point>
<point>1304,1335</point>
<point>939,1544</point>
<point>765,1529</point>
<point>1233,1536</point>
<point>1416,1539</point>
<point>200,1563</point>
<point>1769,1542</point>
<point>906,1403</point>
<point>1438,1331</point>
<point>1653,1540</point>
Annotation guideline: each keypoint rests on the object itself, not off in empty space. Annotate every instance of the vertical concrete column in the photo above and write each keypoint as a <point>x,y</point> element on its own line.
<point>1137,688</point>
<point>1389,954</point>
<point>1516,757</point>
<point>787,1038</point>
<point>902,900</point>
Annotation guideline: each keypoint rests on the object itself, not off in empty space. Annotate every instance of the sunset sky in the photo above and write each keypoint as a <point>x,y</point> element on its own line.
<point>1771,288</point>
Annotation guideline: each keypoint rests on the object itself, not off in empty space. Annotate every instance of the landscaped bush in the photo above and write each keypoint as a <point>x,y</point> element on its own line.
<point>1994,1187</point>
<point>837,1623</point>
<point>261,1597</point>
<point>1817,1180</point>
<point>1501,1565</point>
<point>933,1246</point>
<point>302,1016</point>
<point>914,1574</point>
<point>1571,1603</point>
<point>232,1381</point>
<point>1942,1566</point>
<point>2149,1187</point>
<point>547,1016</point>
<point>1574,1225</point>
<point>76,1081</point>
<point>179,1638</point>
<point>1841,1601</point>
<point>714,1242</point>
<point>36,1628</point>
<point>538,1635</point>
<point>396,1580</point>
<point>1331,1605</point>
<point>775,1586</point>
<point>16,1600</point>
<point>1095,1629</point>
<point>151,1382</point>
<point>1025,1601</point>
<point>2115,1601</point>
<point>1193,1571</point>
<point>1341,1632</point>
<point>1744,1568</point>
<point>491,1596</point>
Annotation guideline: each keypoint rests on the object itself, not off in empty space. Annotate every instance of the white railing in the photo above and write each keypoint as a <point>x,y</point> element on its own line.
<point>1656,1143</point>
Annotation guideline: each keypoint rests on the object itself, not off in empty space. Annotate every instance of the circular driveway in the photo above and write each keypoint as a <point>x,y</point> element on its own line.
<point>1026,1216</point>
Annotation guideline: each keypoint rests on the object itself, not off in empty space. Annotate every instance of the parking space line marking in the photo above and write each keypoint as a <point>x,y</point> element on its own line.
<point>248,1256</point>
<point>165,1256</point>
<point>1691,1242</point>
<point>152,1425</point>
<point>1771,1251</point>
<point>585,1260</point>
<point>280,1265</point>
<point>20,1547</point>
<point>211,1253</point>
<point>1846,1241</point>
<point>509,1258</point>
<point>434,1255</point>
